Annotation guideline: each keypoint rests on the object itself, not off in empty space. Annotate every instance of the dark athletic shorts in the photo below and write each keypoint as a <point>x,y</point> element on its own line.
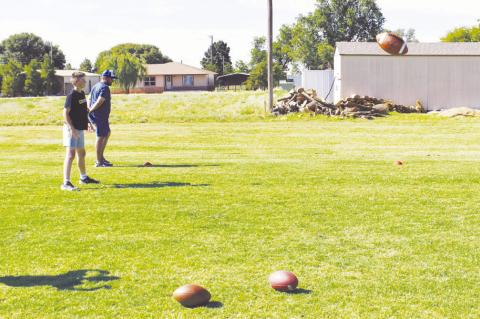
<point>102,126</point>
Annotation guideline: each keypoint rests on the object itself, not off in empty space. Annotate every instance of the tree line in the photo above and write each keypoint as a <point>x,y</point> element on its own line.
<point>28,64</point>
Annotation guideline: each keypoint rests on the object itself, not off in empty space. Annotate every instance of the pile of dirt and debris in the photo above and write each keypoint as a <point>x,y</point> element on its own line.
<point>458,111</point>
<point>356,106</point>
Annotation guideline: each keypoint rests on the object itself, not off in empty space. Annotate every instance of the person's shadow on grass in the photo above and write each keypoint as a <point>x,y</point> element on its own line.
<point>158,185</point>
<point>167,166</point>
<point>66,281</point>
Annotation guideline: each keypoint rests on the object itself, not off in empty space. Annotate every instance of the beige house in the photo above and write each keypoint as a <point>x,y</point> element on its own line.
<point>174,76</point>
<point>440,75</point>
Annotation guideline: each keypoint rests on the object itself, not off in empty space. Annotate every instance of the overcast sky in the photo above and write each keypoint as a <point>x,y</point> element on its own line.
<point>180,28</point>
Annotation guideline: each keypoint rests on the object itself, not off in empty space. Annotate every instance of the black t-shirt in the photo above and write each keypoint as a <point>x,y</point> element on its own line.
<point>77,102</point>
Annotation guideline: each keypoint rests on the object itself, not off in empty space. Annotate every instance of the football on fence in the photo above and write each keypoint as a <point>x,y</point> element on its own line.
<point>192,296</point>
<point>392,43</point>
<point>283,281</point>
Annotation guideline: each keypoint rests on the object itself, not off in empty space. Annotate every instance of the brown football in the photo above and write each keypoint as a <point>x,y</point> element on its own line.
<point>399,163</point>
<point>147,164</point>
<point>283,281</point>
<point>392,43</point>
<point>192,296</point>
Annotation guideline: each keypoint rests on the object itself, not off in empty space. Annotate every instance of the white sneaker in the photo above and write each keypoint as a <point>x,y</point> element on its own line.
<point>68,186</point>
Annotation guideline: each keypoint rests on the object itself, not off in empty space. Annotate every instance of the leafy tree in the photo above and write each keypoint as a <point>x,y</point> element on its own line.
<point>68,66</point>
<point>241,67</point>
<point>306,41</point>
<point>258,53</point>
<point>222,62</point>
<point>325,54</point>
<point>2,61</point>
<point>258,78</point>
<point>47,73</point>
<point>24,47</point>
<point>463,34</point>
<point>86,66</point>
<point>314,36</point>
<point>33,79</point>
<point>128,68</point>
<point>12,79</point>
<point>408,34</point>
<point>348,20</point>
<point>150,54</point>
<point>1,75</point>
<point>210,67</point>
<point>283,50</point>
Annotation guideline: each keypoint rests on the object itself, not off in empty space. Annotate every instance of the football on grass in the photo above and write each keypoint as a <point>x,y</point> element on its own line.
<point>283,281</point>
<point>392,43</point>
<point>147,164</point>
<point>192,296</point>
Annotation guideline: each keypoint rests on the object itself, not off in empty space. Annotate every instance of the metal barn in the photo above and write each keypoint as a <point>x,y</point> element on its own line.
<point>439,75</point>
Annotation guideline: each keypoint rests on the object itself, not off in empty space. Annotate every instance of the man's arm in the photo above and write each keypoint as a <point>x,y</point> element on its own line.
<point>97,104</point>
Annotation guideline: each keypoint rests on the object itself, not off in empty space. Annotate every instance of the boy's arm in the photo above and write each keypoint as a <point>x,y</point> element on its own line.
<point>68,120</point>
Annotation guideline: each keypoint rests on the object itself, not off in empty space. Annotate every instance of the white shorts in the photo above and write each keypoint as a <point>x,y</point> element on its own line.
<point>69,141</point>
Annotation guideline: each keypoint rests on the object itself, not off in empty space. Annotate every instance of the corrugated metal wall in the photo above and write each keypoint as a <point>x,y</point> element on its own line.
<point>321,81</point>
<point>437,81</point>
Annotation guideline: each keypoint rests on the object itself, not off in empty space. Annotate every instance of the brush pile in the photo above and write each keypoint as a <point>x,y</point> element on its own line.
<point>356,106</point>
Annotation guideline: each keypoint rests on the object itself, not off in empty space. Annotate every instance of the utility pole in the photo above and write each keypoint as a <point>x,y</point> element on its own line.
<point>223,65</point>
<point>211,50</point>
<point>270,55</point>
<point>51,51</point>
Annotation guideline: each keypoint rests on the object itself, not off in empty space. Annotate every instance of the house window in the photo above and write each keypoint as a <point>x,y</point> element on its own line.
<point>149,81</point>
<point>188,80</point>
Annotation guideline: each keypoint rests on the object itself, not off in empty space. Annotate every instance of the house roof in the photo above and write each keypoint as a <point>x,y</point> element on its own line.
<point>174,68</point>
<point>418,49</point>
<point>68,73</point>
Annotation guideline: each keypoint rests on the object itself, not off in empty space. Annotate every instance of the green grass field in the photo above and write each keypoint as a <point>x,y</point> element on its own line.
<point>151,108</point>
<point>228,202</point>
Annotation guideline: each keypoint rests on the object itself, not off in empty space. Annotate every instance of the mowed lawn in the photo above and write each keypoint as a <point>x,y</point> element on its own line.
<point>227,203</point>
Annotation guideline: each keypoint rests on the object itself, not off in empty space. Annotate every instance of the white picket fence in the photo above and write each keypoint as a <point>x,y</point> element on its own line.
<point>321,81</point>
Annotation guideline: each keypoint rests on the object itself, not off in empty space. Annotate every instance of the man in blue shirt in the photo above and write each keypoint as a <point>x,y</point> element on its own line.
<point>100,105</point>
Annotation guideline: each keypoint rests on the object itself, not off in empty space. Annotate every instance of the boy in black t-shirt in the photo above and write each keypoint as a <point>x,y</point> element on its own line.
<point>76,122</point>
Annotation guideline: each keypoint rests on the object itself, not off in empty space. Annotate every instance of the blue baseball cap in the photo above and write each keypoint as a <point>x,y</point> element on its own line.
<point>109,74</point>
